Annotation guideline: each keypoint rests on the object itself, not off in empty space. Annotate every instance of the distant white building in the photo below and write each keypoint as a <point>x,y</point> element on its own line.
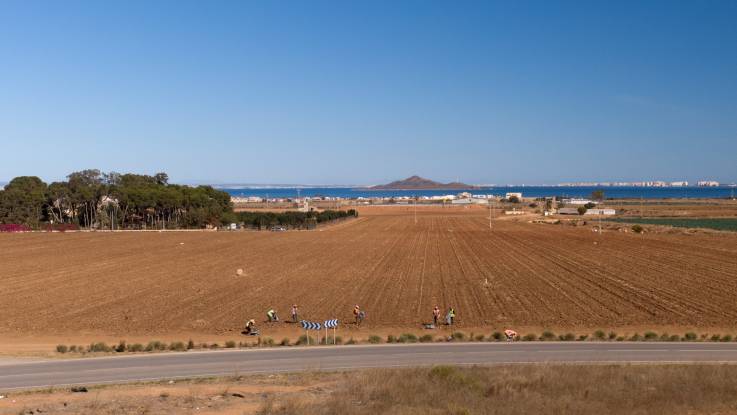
<point>679,184</point>
<point>518,195</point>
<point>461,202</point>
<point>604,212</point>
<point>707,183</point>
<point>577,201</point>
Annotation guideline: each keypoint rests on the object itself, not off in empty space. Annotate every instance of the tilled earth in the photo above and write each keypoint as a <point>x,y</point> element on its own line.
<point>397,269</point>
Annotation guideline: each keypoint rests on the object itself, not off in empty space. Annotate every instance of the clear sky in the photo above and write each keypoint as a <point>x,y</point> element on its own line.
<point>351,92</point>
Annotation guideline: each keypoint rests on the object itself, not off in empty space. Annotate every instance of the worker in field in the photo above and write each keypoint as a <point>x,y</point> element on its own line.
<point>358,314</point>
<point>271,315</point>
<point>450,316</point>
<point>511,335</point>
<point>435,315</point>
<point>250,328</point>
<point>294,313</point>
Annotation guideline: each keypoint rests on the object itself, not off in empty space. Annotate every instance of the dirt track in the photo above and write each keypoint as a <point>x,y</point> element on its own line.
<point>517,274</point>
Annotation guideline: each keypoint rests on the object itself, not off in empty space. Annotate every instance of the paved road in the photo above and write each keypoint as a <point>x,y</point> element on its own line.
<point>117,369</point>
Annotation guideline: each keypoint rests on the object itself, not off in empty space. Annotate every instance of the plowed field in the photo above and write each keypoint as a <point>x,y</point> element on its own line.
<point>396,269</point>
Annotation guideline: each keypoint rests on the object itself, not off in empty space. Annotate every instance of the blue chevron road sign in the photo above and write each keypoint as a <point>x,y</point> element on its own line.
<point>309,325</point>
<point>330,324</point>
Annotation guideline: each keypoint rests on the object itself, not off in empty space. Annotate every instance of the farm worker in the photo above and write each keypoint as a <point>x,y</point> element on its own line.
<point>356,313</point>
<point>249,326</point>
<point>511,335</point>
<point>450,316</point>
<point>294,313</point>
<point>271,314</point>
<point>435,315</point>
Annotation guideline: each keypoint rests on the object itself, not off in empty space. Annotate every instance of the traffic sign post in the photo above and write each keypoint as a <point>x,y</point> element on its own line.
<point>309,325</point>
<point>330,324</point>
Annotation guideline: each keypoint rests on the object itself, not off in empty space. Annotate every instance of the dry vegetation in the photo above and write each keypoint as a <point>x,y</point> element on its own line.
<point>519,274</point>
<point>526,390</point>
<point>514,389</point>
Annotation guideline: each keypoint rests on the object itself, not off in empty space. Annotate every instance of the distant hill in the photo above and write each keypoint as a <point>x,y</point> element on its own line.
<point>420,183</point>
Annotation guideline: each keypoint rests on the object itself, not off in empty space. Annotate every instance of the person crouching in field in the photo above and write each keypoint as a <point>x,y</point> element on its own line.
<point>271,315</point>
<point>435,315</point>
<point>450,316</point>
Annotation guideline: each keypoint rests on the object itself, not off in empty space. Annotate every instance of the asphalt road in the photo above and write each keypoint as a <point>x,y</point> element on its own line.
<point>119,369</point>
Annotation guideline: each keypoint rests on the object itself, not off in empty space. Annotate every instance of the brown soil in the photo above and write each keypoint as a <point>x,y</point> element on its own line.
<point>173,285</point>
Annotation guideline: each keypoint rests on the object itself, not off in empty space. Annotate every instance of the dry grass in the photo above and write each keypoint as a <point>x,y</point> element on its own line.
<point>552,389</point>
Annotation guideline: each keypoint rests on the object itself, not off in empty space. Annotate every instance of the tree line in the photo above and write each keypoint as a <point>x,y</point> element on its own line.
<point>289,219</point>
<point>96,200</point>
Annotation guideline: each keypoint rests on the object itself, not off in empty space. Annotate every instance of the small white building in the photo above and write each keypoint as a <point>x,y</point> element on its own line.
<point>605,212</point>
<point>460,202</point>
<point>577,201</point>
<point>518,195</point>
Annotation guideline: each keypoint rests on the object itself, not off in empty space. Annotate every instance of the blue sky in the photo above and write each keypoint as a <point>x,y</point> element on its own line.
<point>362,93</point>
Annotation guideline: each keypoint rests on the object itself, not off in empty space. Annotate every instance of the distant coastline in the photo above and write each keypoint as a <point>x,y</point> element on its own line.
<point>352,192</point>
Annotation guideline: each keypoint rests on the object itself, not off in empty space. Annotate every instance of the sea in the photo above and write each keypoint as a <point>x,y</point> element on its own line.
<point>618,192</point>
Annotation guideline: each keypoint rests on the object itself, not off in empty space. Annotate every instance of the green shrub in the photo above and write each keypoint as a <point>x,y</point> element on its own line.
<point>178,346</point>
<point>479,337</point>
<point>136,347</point>
<point>72,349</point>
<point>496,336</point>
<point>374,339</point>
<point>303,339</point>
<point>100,347</point>
<point>121,347</point>
<point>457,335</point>
<point>190,344</point>
<point>620,338</point>
<point>230,344</point>
<point>715,338</point>
<point>217,346</point>
<point>529,337</point>
<point>612,335</point>
<point>568,337</point>
<point>690,336</point>
<point>650,336</point>
<point>583,337</point>
<point>391,339</point>
<point>599,335</point>
<point>267,341</point>
<point>637,229</point>
<point>547,336</point>
<point>674,338</point>
<point>635,337</point>
<point>284,342</point>
<point>664,337</point>
<point>726,338</point>
<point>155,345</point>
<point>426,338</point>
<point>62,348</point>
<point>407,338</point>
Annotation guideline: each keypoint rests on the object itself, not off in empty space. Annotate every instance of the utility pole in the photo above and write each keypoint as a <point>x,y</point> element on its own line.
<point>415,209</point>
<point>489,213</point>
